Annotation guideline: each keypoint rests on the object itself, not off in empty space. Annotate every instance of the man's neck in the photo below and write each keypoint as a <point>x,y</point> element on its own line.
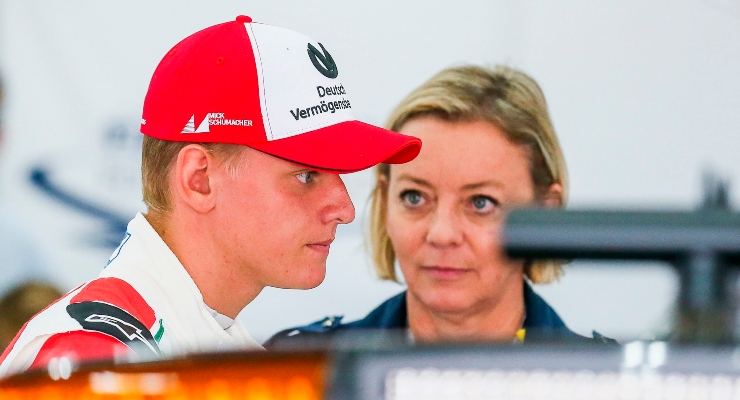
<point>484,322</point>
<point>222,284</point>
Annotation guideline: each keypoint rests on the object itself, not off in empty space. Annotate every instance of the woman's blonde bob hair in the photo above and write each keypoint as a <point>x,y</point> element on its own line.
<point>507,98</point>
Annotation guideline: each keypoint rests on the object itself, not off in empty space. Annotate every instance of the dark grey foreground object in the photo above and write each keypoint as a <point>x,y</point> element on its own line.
<point>537,371</point>
<point>703,245</point>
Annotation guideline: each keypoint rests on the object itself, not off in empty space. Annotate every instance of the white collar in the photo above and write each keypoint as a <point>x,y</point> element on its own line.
<point>147,263</point>
<point>223,320</point>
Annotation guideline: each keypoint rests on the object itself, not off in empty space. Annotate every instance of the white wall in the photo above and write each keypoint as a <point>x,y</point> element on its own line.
<point>644,96</point>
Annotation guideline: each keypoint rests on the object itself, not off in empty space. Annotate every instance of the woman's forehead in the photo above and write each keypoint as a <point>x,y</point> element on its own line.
<point>463,155</point>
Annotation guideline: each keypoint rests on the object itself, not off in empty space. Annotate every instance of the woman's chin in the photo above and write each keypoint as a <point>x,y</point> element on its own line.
<point>448,301</point>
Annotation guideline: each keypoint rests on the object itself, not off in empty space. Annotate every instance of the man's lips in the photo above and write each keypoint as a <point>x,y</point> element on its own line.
<point>322,247</point>
<point>445,273</point>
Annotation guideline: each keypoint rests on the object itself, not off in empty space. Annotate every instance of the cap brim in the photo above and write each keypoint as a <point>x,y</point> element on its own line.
<point>344,147</point>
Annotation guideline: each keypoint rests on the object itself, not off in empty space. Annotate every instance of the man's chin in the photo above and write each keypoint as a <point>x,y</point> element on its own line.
<point>307,279</point>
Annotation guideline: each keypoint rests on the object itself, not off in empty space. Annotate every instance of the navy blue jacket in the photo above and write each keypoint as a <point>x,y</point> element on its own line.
<point>541,322</point>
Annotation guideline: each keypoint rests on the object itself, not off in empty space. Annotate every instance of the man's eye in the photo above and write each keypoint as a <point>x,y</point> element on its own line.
<point>306,176</point>
<point>483,203</point>
<point>412,197</point>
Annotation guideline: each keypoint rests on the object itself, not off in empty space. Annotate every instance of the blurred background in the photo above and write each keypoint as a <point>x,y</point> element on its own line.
<point>645,97</point>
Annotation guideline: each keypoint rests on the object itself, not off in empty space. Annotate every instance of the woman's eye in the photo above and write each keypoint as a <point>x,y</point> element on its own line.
<point>412,197</point>
<point>483,203</point>
<point>306,177</point>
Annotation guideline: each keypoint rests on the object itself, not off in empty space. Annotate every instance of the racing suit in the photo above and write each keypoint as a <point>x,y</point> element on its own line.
<point>144,304</point>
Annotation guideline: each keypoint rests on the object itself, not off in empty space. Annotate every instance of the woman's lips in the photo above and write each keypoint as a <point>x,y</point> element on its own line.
<point>445,273</point>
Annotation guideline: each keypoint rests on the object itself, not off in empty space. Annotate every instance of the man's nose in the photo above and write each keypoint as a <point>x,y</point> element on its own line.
<point>339,207</point>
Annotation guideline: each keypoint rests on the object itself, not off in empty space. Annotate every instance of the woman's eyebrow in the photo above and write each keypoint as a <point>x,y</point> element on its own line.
<point>413,179</point>
<point>478,185</point>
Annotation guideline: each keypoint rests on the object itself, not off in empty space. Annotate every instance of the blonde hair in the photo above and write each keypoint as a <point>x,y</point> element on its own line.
<point>503,96</point>
<point>157,158</point>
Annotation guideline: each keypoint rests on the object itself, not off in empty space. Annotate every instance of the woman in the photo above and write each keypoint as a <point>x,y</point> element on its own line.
<point>488,146</point>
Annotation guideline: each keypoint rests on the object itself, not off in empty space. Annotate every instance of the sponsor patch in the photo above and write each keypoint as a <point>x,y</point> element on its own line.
<point>213,119</point>
<point>113,321</point>
<point>322,107</point>
<point>323,62</point>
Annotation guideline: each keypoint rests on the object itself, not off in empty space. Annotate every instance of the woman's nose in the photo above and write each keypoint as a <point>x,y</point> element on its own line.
<point>445,228</point>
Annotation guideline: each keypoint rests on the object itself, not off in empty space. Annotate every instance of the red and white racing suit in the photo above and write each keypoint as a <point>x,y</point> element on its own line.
<point>143,302</point>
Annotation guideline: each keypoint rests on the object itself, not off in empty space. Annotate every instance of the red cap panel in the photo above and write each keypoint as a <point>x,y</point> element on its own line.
<point>209,76</point>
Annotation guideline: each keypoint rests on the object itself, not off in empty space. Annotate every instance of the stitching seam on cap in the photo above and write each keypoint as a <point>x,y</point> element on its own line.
<point>262,76</point>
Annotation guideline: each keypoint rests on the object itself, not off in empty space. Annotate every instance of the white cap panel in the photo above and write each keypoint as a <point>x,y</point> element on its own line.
<point>296,96</point>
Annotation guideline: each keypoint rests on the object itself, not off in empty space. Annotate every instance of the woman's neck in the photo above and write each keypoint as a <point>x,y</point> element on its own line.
<point>486,322</point>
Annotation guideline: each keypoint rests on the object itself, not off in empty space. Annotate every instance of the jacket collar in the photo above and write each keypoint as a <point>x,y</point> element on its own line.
<point>540,317</point>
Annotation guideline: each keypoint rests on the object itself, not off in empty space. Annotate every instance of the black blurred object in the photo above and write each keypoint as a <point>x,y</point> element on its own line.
<point>716,192</point>
<point>703,245</point>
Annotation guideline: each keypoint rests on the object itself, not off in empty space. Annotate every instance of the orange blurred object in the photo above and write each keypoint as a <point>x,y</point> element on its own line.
<point>251,376</point>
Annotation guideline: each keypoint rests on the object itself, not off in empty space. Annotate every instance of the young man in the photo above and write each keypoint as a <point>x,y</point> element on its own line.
<point>246,128</point>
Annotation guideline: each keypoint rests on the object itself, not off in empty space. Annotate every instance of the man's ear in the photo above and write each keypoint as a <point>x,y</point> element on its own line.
<point>193,172</point>
<point>553,198</point>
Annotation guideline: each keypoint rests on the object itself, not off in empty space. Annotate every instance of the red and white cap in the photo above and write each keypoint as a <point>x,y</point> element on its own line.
<point>268,88</point>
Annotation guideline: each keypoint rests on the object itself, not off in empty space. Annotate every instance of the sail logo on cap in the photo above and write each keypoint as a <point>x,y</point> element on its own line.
<point>212,119</point>
<point>323,62</point>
